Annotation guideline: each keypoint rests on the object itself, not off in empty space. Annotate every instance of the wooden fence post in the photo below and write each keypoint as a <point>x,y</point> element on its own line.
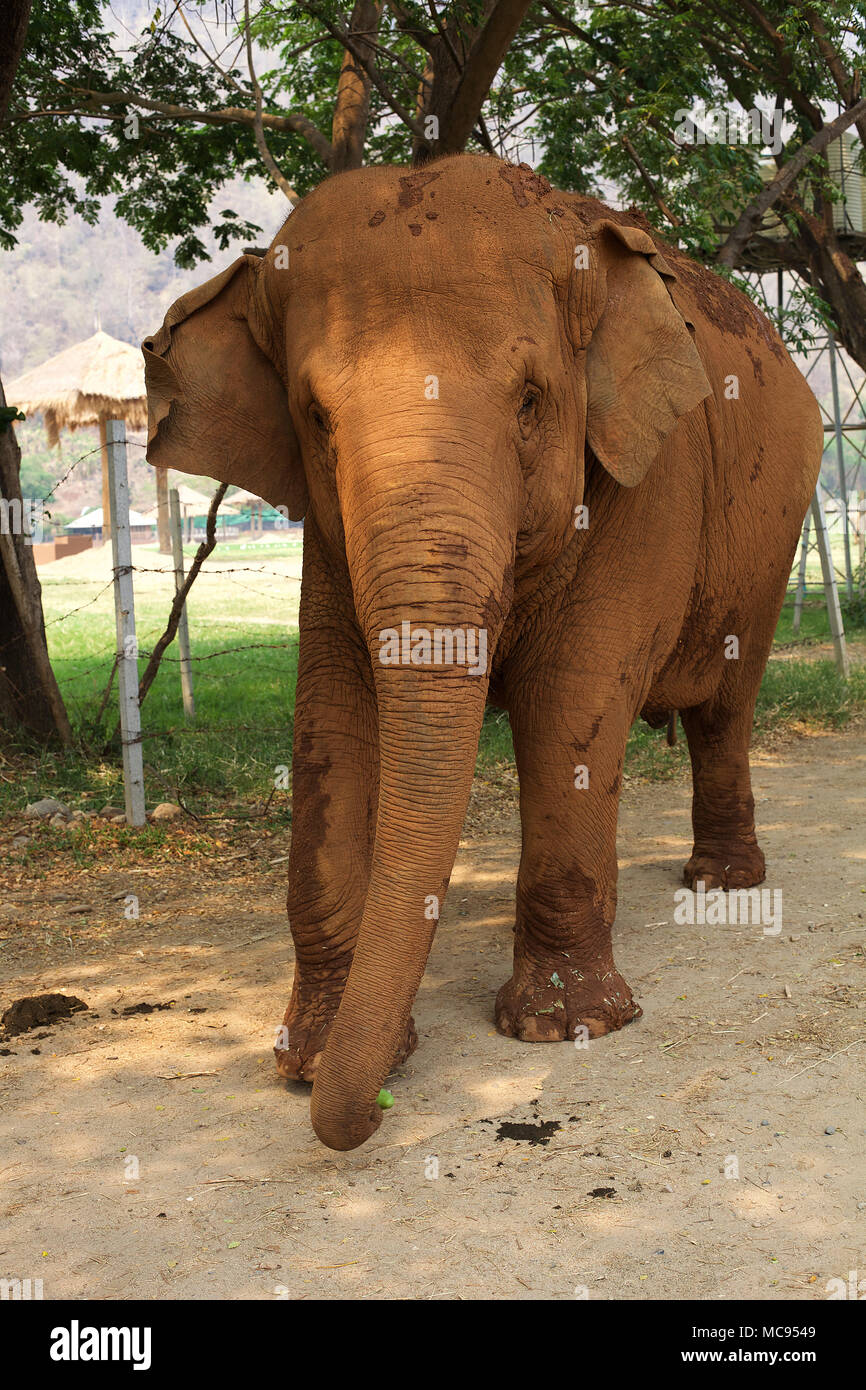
<point>183,621</point>
<point>124,610</point>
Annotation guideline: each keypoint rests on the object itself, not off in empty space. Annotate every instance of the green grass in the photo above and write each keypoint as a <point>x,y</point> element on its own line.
<point>245,698</point>
<point>810,692</point>
<point>242,732</point>
<point>793,691</point>
<point>814,623</point>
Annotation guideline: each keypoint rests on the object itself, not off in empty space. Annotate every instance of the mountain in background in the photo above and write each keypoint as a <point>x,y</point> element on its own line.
<point>61,283</point>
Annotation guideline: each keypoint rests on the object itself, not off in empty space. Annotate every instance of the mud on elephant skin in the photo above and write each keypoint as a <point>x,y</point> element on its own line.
<point>543,460</point>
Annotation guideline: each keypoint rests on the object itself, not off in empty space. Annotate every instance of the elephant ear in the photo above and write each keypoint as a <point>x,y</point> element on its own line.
<point>215,402</point>
<point>642,368</point>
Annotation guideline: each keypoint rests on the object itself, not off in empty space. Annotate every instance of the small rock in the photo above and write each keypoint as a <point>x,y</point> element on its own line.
<point>831,1129</point>
<point>666,1187</point>
<point>109,812</point>
<point>44,809</point>
<point>78,816</point>
<point>21,842</point>
<point>57,821</point>
<point>118,820</point>
<point>765,1122</point>
<point>166,810</point>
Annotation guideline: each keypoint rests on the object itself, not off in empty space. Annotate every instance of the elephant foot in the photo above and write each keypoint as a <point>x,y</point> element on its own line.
<point>302,1037</point>
<point>549,1003</point>
<point>741,865</point>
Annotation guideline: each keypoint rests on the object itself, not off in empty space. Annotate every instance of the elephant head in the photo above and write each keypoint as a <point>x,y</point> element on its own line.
<point>420,362</point>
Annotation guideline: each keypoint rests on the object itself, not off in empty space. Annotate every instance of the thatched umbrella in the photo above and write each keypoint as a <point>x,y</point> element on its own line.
<point>95,381</point>
<point>193,504</point>
<point>244,498</point>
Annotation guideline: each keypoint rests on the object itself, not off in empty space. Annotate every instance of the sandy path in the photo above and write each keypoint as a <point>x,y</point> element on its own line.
<point>751,1046</point>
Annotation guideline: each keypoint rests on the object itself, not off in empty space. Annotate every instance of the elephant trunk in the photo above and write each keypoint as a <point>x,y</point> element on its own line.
<point>431,604</point>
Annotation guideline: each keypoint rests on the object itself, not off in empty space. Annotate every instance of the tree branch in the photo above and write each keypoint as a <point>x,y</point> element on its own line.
<point>848,88</point>
<point>180,597</point>
<point>352,106</point>
<point>268,160</point>
<point>347,40</point>
<point>485,58</point>
<point>650,183</point>
<point>751,216</point>
<point>295,123</point>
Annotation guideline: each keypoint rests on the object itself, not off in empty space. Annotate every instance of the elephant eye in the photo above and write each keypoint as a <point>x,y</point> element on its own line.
<point>529,403</point>
<point>317,417</point>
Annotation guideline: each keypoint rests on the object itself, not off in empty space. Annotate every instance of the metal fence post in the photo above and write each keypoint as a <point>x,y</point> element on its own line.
<point>124,610</point>
<point>831,592</point>
<point>840,464</point>
<point>183,621</point>
<point>800,592</point>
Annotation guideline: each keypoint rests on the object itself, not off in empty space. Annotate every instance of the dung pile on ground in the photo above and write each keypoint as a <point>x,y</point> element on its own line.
<point>35,1010</point>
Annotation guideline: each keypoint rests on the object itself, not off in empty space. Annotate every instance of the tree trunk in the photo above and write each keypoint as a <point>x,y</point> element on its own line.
<point>352,107</point>
<point>29,695</point>
<point>836,278</point>
<point>16,18</point>
<point>465,59</point>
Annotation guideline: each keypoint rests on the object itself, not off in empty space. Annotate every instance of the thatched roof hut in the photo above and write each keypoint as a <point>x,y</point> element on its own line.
<point>92,520</point>
<point>195,503</point>
<point>90,383</point>
<point>243,497</point>
<point>93,381</point>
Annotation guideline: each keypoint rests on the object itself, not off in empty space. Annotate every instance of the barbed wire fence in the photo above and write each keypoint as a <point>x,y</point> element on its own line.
<point>97,728</point>
<point>99,731</point>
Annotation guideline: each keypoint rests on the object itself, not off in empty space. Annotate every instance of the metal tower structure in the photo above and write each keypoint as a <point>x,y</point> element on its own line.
<point>840,390</point>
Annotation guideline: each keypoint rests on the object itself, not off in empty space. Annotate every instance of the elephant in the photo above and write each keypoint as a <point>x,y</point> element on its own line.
<point>545,462</point>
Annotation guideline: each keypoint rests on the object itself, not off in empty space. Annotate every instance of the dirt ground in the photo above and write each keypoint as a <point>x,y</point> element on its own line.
<point>158,1156</point>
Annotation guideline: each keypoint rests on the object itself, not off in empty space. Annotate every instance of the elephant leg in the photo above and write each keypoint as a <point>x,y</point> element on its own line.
<point>570,752</point>
<point>726,852</point>
<point>335,772</point>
